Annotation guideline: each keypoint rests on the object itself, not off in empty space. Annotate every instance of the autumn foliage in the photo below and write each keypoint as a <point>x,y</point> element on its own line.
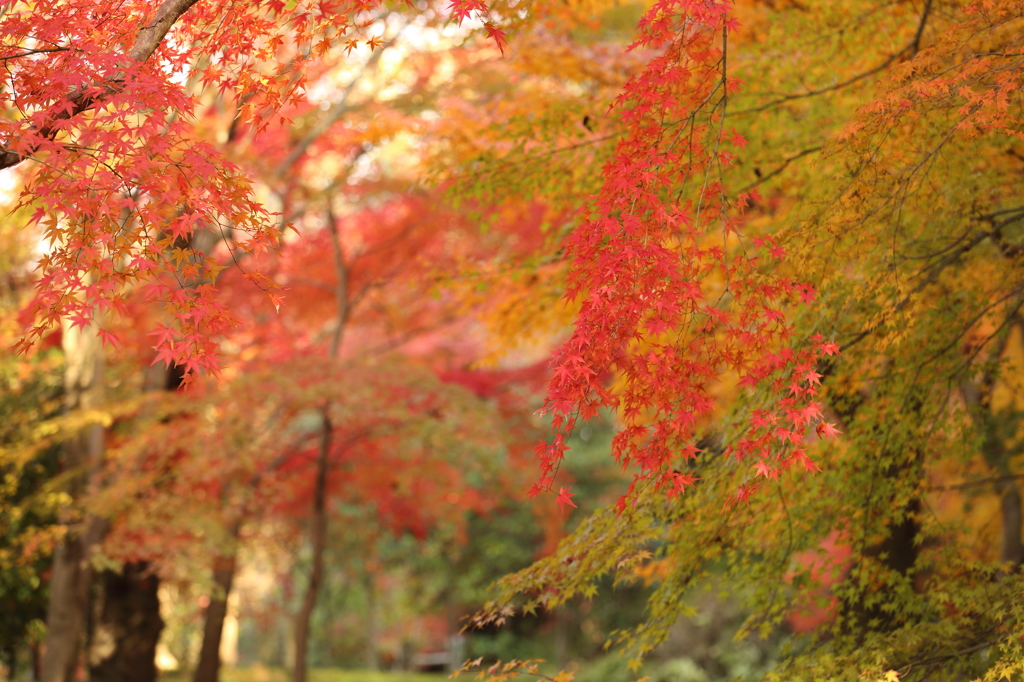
<point>775,244</point>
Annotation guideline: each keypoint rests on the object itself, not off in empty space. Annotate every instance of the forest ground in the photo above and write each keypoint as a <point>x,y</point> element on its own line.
<point>259,673</point>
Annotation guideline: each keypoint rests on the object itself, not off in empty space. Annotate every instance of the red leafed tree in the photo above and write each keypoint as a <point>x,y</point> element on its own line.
<point>353,295</point>
<point>105,119</point>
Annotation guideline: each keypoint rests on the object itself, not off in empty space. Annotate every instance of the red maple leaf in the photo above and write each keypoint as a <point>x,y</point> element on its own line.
<point>563,498</point>
<point>826,430</point>
<point>497,35</point>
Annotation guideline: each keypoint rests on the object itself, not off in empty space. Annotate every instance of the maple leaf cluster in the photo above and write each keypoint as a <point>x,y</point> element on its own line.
<point>665,308</point>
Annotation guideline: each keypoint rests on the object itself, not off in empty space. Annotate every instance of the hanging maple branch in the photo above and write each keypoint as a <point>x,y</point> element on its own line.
<point>642,265</point>
<point>88,96</point>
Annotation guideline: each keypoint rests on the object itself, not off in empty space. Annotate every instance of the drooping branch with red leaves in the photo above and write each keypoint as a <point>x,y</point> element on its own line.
<point>673,300</point>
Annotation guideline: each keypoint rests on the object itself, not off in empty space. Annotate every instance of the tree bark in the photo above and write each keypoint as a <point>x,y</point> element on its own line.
<point>71,578</point>
<point>37,661</point>
<point>11,660</point>
<point>897,551</point>
<point>65,617</point>
<point>223,576</point>
<point>1012,550</point>
<point>127,626</point>
<point>372,659</point>
<point>994,450</point>
<point>127,622</point>
<point>305,614</point>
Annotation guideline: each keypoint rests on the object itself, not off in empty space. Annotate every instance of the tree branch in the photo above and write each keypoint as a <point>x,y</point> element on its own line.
<point>29,53</point>
<point>785,162</point>
<point>147,40</point>
<point>911,48</point>
<point>151,35</point>
<point>337,110</point>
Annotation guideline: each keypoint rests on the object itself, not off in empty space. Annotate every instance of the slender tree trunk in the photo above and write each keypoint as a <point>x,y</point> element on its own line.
<point>302,620</point>
<point>224,568</point>
<point>223,575</point>
<point>127,626</point>
<point>319,543</point>
<point>372,660</point>
<point>69,584</point>
<point>37,661</point>
<point>997,456</point>
<point>11,659</point>
<point>1012,550</point>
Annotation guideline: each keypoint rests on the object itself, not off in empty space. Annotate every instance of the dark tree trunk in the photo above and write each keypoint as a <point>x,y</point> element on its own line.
<point>37,662</point>
<point>127,626</point>
<point>209,657</point>
<point>302,620</point>
<point>897,552</point>
<point>1012,550</point>
<point>11,656</point>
